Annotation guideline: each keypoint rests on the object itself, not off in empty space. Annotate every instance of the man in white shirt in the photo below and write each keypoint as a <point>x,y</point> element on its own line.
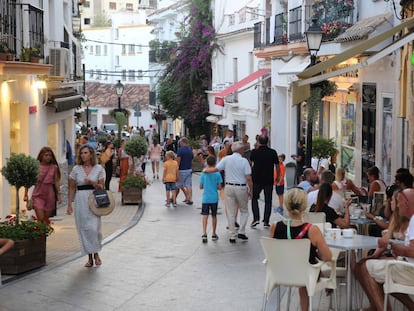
<point>371,273</point>
<point>238,189</point>
<point>337,200</point>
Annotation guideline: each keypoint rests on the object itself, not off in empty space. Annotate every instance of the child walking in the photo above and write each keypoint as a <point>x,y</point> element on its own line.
<point>280,186</point>
<point>170,177</point>
<point>210,182</point>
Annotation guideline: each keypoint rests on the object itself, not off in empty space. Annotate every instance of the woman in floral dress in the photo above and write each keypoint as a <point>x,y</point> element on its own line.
<point>85,177</point>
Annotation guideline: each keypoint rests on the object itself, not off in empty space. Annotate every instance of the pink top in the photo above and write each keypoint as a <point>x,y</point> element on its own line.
<point>155,152</point>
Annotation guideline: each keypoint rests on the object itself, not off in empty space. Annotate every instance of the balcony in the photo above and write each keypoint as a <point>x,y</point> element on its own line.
<point>21,26</point>
<point>334,16</point>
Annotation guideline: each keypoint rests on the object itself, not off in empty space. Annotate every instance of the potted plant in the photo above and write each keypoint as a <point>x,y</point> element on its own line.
<point>29,250</point>
<point>4,51</point>
<point>31,54</point>
<point>131,186</point>
<point>323,148</point>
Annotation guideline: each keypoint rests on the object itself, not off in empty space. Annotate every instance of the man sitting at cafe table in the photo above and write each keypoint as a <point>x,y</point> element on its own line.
<point>371,272</point>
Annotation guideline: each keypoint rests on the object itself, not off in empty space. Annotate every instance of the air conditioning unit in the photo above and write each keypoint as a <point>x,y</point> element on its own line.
<point>59,58</point>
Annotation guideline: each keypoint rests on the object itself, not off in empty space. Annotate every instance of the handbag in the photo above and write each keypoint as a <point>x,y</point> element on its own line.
<point>101,202</point>
<point>101,198</point>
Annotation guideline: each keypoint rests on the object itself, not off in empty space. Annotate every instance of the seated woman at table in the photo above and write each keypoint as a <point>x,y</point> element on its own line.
<point>382,223</point>
<point>344,184</point>
<point>365,269</point>
<point>324,195</point>
<point>296,204</point>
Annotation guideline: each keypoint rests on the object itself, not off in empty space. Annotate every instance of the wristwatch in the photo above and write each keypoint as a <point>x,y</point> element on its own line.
<point>389,246</point>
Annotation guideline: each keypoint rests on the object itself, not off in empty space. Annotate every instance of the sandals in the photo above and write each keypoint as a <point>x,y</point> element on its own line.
<point>89,264</point>
<point>98,261</point>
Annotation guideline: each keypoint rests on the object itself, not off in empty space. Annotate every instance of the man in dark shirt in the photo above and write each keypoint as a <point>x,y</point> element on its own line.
<point>264,162</point>
<point>300,160</point>
<point>185,160</point>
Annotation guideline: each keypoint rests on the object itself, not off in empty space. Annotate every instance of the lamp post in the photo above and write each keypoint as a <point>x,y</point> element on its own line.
<point>119,87</point>
<point>86,102</point>
<point>313,40</point>
<point>159,122</point>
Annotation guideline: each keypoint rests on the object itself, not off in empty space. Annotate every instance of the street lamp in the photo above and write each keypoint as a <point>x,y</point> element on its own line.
<point>119,87</point>
<point>313,40</point>
<point>86,102</point>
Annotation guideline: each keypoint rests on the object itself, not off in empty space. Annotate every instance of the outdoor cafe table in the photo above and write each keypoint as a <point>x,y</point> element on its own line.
<point>358,242</point>
<point>361,223</point>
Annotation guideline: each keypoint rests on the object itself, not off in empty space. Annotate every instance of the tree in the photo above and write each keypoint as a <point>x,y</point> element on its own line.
<point>20,171</point>
<point>182,87</point>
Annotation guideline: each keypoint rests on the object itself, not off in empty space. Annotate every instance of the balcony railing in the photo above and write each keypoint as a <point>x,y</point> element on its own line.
<point>334,16</point>
<point>21,26</point>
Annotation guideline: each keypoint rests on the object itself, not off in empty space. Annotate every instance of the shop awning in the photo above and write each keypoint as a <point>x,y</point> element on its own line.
<point>250,78</point>
<point>314,74</point>
<point>64,99</point>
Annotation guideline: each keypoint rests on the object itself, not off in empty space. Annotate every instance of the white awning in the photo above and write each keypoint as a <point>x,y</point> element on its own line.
<point>212,118</point>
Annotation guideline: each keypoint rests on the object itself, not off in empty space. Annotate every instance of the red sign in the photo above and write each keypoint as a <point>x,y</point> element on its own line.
<point>32,109</point>
<point>219,101</point>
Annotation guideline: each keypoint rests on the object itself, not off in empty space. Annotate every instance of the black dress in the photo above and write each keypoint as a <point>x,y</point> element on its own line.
<point>109,169</point>
<point>281,233</point>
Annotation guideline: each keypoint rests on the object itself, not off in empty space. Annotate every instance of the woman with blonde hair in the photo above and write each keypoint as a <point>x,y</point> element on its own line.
<point>294,227</point>
<point>344,184</point>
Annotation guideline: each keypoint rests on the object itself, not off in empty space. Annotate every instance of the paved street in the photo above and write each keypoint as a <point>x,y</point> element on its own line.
<point>158,264</point>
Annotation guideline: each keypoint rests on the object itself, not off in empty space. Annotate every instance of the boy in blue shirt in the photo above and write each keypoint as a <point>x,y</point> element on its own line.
<point>210,182</point>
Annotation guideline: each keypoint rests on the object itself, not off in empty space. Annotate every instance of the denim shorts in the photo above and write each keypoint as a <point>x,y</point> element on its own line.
<point>170,186</point>
<point>185,178</point>
<point>206,207</point>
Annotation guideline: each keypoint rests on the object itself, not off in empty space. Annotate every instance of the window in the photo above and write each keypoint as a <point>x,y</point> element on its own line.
<point>131,75</point>
<point>242,16</point>
<point>231,19</point>
<point>105,50</point>
<point>139,74</point>
<point>129,7</point>
<point>98,50</point>
<point>254,13</point>
<point>131,49</point>
<point>91,49</point>
<point>116,34</point>
<point>87,21</point>
<point>86,4</point>
<point>117,60</point>
<point>124,75</point>
<point>112,5</point>
<point>139,48</point>
<point>123,49</point>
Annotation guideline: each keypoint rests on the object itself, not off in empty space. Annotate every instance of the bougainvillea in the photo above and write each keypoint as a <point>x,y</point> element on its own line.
<point>188,74</point>
<point>335,16</point>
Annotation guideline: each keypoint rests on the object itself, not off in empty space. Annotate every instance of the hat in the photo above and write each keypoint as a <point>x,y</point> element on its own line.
<point>101,211</point>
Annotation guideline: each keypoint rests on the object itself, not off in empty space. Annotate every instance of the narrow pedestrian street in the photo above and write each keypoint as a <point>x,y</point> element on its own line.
<point>159,264</point>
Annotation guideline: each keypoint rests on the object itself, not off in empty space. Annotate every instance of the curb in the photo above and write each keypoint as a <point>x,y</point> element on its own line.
<point>135,219</point>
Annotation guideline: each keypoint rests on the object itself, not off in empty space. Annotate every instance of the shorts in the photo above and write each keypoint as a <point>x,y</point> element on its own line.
<point>206,207</point>
<point>401,274</point>
<point>185,178</point>
<point>280,189</point>
<point>170,186</point>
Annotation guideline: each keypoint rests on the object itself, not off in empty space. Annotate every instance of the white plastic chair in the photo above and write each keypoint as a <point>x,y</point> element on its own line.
<point>287,264</point>
<point>390,286</point>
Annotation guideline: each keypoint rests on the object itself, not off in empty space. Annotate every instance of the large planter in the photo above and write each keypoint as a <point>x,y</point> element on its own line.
<point>26,255</point>
<point>197,166</point>
<point>132,196</point>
